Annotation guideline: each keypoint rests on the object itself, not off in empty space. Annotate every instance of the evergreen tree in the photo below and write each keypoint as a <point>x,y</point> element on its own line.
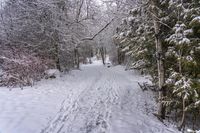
<point>175,25</point>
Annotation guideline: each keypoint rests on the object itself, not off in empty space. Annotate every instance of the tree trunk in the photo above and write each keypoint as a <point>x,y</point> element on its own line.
<point>91,55</point>
<point>160,62</point>
<point>77,60</point>
<point>105,52</point>
<point>58,64</point>
<point>183,116</point>
<point>57,51</point>
<point>119,56</point>
<point>57,57</point>
<point>180,61</point>
<point>102,52</point>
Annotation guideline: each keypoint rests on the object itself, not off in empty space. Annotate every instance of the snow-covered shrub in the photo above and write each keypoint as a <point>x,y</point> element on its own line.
<point>22,69</point>
<point>192,131</point>
<point>52,73</point>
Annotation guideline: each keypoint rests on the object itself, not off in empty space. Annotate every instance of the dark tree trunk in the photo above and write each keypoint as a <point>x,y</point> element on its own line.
<point>58,64</point>
<point>182,123</point>
<point>91,55</point>
<point>77,60</point>
<point>57,57</point>
<point>57,50</point>
<point>160,60</point>
<point>120,55</point>
<point>102,52</point>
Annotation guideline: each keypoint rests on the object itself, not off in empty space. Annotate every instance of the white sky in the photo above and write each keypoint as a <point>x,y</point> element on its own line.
<point>99,1</point>
<point>2,1</point>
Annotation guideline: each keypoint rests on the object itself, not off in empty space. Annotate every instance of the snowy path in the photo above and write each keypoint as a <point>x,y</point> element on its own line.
<point>94,100</point>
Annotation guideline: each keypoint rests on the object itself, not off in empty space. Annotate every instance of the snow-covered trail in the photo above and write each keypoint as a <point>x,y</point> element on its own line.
<point>96,99</point>
<point>111,103</point>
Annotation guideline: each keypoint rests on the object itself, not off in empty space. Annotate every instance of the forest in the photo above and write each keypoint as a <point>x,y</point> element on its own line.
<point>40,39</point>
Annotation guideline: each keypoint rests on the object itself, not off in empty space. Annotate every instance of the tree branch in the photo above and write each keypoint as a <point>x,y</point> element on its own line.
<point>92,38</point>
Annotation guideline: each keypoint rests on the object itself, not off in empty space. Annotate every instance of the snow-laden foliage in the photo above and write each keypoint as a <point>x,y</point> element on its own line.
<point>134,40</point>
<point>22,69</point>
<point>183,49</point>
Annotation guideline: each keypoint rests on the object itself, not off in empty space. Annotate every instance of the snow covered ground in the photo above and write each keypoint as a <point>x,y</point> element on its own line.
<point>96,99</point>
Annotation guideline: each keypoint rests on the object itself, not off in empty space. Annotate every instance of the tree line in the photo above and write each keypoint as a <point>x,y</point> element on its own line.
<point>36,35</point>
